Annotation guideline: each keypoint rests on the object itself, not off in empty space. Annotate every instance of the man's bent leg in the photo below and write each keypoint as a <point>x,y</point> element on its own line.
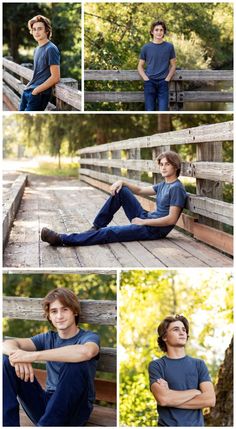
<point>70,404</point>
<point>114,234</point>
<point>124,198</point>
<point>31,396</point>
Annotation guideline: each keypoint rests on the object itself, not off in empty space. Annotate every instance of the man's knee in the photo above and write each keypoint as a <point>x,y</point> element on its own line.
<point>6,362</point>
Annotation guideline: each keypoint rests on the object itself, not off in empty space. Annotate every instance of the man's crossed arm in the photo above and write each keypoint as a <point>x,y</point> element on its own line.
<point>22,352</point>
<point>186,399</point>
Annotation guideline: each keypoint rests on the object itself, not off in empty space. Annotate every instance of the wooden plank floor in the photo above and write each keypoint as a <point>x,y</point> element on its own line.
<point>67,205</point>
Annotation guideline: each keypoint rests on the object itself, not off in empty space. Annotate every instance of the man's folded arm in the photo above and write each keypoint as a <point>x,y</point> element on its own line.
<point>172,398</point>
<point>205,399</point>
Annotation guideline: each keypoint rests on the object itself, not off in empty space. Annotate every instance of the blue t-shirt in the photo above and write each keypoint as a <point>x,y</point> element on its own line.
<point>44,57</point>
<point>168,194</point>
<point>157,57</point>
<point>181,374</point>
<point>51,340</point>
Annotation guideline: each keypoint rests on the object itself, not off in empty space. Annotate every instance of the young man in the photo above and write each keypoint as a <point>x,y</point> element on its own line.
<point>180,384</point>
<point>170,198</point>
<point>160,61</point>
<point>46,66</point>
<point>70,354</point>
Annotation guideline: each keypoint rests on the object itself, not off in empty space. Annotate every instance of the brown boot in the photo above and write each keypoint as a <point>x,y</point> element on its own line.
<point>51,237</point>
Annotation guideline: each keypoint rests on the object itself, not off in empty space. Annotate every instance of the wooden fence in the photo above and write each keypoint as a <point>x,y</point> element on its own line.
<point>15,77</point>
<point>178,95</point>
<point>206,211</point>
<point>101,312</point>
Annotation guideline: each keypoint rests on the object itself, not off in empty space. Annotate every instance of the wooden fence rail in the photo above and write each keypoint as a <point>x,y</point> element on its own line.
<point>15,76</point>
<point>178,95</point>
<point>102,165</point>
<point>99,312</point>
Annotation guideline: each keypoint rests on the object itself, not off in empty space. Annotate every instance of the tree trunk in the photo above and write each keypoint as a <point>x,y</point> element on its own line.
<point>222,413</point>
<point>14,42</point>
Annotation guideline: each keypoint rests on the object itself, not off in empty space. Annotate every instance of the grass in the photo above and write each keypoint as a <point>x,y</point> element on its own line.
<point>51,169</point>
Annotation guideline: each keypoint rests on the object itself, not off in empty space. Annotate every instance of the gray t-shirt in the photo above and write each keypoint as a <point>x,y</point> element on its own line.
<point>44,57</point>
<point>157,58</point>
<point>181,374</point>
<point>168,194</point>
<point>51,340</point>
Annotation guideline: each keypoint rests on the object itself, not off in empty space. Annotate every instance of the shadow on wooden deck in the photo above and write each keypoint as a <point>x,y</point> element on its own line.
<point>67,205</point>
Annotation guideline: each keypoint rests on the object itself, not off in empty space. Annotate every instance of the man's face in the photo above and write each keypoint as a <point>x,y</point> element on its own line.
<point>166,169</point>
<point>176,335</point>
<point>158,33</point>
<point>61,317</point>
<point>39,32</point>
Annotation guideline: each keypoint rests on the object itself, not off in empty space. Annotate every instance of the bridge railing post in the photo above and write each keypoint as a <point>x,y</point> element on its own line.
<point>133,154</point>
<point>72,83</point>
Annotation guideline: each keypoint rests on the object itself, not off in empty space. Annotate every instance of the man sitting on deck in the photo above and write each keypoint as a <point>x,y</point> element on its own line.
<point>70,354</point>
<point>170,198</point>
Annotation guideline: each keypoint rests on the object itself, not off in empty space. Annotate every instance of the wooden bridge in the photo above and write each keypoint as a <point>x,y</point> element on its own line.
<point>15,77</point>
<point>69,205</point>
<point>95,313</point>
<point>178,94</point>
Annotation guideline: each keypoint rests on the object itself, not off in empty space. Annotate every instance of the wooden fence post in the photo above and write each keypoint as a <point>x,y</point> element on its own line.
<point>133,154</point>
<point>116,154</point>
<point>72,83</point>
<point>209,188</point>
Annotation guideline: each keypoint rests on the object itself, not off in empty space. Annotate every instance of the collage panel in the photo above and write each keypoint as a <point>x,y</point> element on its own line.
<point>171,56</point>
<point>42,56</point>
<point>59,349</point>
<point>118,191</point>
<point>176,348</point>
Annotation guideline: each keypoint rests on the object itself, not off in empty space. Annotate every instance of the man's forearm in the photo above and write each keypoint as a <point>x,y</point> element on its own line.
<point>162,221</point>
<point>142,73</point>
<point>134,188</point>
<point>10,346</point>
<point>51,81</point>
<point>201,401</point>
<point>174,398</point>
<point>171,73</point>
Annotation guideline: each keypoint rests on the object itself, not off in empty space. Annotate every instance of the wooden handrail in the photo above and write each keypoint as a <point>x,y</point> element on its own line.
<point>180,75</point>
<point>101,312</point>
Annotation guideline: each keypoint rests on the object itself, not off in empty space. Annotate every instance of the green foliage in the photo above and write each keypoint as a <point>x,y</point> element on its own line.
<point>86,286</point>
<point>204,297</point>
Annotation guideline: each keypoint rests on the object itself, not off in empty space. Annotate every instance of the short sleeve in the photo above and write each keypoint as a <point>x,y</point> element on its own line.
<point>90,337</point>
<point>154,371</point>
<point>178,196</point>
<point>172,52</point>
<point>203,372</point>
<point>155,187</point>
<point>142,55</point>
<point>39,341</point>
<point>53,56</point>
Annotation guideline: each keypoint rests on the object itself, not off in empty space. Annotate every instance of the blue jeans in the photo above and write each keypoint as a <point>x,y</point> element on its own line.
<point>67,406</point>
<point>33,103</point>
<point>156,94</point>
<point>111,234</point>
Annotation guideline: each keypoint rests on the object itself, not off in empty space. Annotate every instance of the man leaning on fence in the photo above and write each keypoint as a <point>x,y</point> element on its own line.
<point>46,67</point>
<point>70,354</point>
<point>159,58</point>
<point>144,225</point>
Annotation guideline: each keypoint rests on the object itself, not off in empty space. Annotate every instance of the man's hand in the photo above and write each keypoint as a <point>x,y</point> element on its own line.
<point>116,187</point>
<point>24,371</point>
<point>138,221</point>
<point>35,92</point>
<point>163,383</point>
<point>22,356</point>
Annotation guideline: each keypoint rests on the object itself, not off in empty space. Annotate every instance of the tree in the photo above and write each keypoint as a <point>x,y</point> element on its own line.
<point>222,413</point>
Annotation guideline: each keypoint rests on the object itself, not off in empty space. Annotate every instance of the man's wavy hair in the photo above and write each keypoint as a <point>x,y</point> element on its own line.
<point>173,158</point>
<point>162,329</point>
<point>66,298</point>
<point>44,20</point>
<point>154,24</point>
